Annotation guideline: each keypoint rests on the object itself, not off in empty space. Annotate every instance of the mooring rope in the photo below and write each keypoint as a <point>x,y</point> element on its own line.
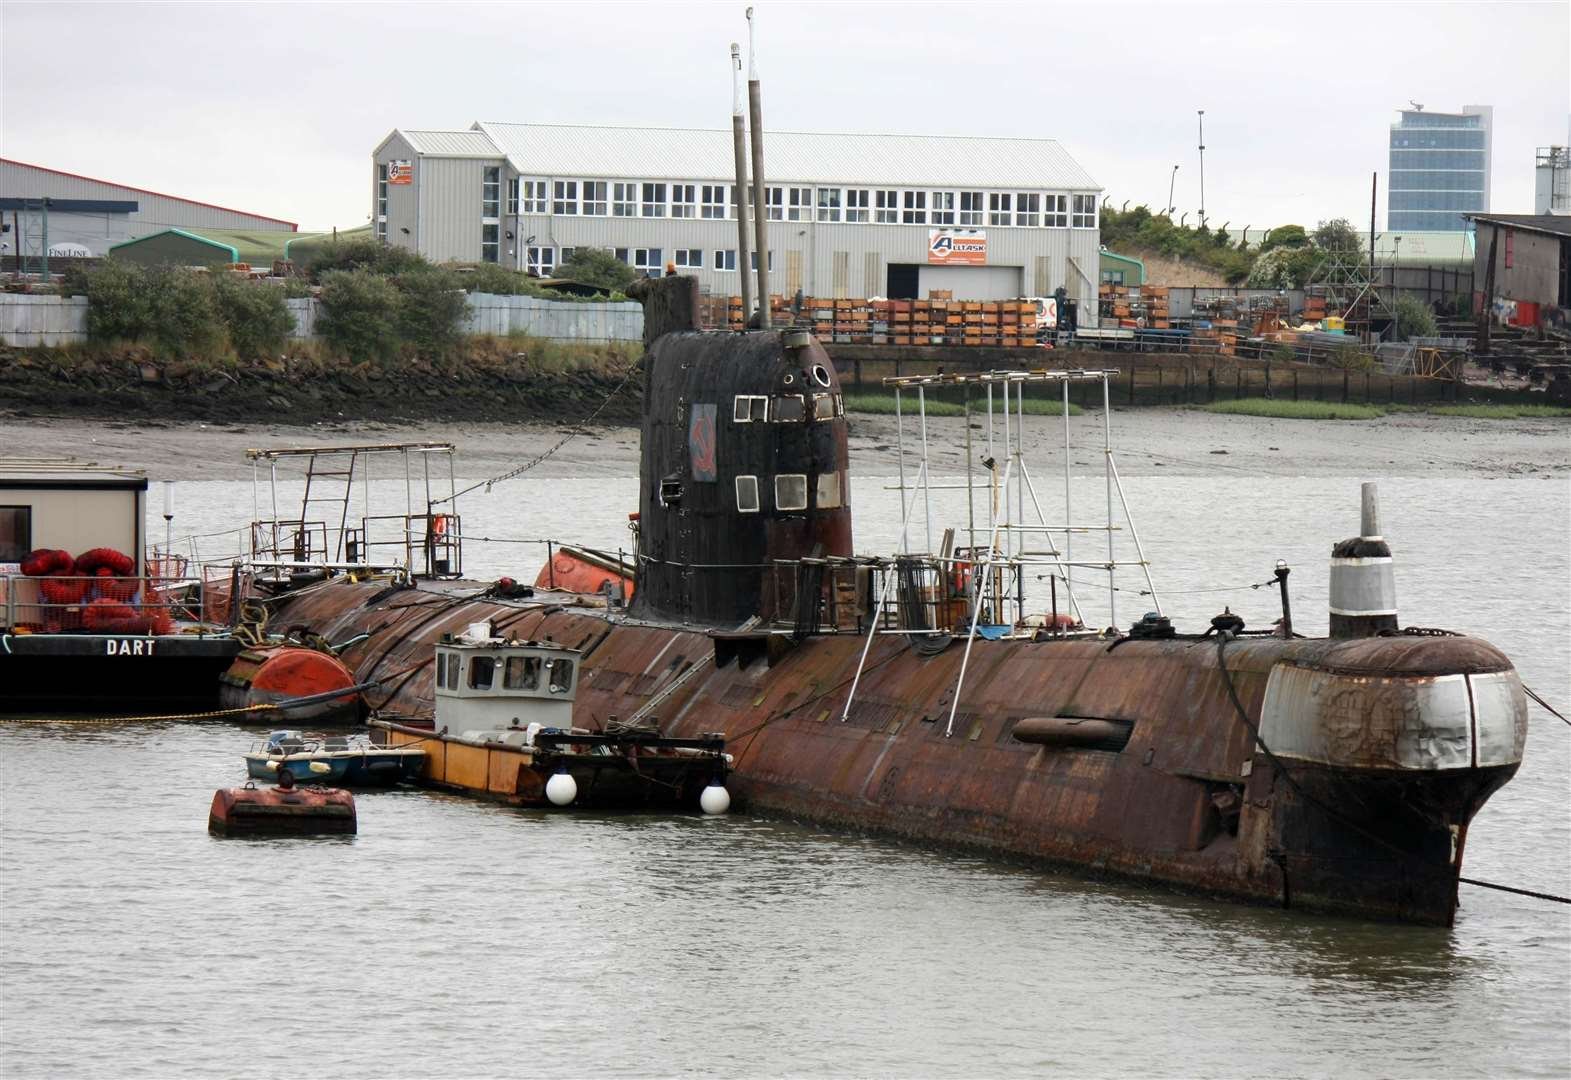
<point>1550,709</point>
<point>572,434</point>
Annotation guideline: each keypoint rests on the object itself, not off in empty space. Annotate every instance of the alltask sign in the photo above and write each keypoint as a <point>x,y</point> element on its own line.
<point>128,647</point>
<point>956,247</point>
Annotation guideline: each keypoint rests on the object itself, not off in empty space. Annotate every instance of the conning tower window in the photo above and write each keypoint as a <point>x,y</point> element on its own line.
<point>829,491</point>
<point>750,408</point>
<point>791,491</point>
<point>820,375</point>
<point>790,408</point>
<point>825,406</point>
<point>747,494</point>
<point>481,670</point>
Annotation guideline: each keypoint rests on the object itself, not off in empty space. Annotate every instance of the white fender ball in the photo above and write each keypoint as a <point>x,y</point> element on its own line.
<point>715,799</point>
<point>561,789</point>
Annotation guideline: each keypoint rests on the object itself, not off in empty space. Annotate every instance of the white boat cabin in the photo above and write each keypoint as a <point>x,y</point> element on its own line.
<point>495,689</point>
<point>66,505</point>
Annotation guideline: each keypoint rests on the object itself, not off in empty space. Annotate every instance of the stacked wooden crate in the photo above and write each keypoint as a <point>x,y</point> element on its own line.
<point>938,320</point>
<point>1157,311</point>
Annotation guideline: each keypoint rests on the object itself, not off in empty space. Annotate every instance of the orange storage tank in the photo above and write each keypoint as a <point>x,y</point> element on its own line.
<point>269,674</point>
<point>573,569</point>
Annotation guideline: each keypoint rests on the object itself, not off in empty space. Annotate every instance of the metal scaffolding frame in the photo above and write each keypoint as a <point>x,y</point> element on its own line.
<point>1009,531</point>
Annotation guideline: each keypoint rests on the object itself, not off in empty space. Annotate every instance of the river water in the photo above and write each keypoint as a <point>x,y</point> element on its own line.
<point>458,938</point>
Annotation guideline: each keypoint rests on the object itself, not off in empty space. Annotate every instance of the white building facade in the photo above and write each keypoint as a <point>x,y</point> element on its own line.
<point>848,215</point>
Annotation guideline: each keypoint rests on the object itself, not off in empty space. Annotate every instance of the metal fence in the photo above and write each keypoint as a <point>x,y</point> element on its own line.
<point>555,320</point>
<point>26,319</point>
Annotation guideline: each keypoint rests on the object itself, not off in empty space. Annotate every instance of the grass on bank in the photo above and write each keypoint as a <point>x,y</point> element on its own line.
<point>1325,410</point>
<point>1295,410</point>
<point>884,405</point>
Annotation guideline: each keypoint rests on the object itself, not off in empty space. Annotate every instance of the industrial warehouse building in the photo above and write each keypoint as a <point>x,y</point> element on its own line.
<point>849,215</point>
<point>1532,272</point>
<point>86,217</point>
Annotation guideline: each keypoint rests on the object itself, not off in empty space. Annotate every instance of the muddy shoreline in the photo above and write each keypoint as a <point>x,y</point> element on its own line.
<point>1150,441</point>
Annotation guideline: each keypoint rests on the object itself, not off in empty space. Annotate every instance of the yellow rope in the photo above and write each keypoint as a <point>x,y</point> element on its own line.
<point>138,719</point>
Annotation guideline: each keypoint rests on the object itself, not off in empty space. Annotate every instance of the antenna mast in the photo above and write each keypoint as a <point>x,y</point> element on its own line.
<point>739,151</point>
<point>755,96</point>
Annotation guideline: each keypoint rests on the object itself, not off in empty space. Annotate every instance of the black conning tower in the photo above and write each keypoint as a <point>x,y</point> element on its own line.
<point>743,474</point>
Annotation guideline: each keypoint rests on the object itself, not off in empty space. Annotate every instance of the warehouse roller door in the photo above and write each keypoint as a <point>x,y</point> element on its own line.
<point>971,282</point>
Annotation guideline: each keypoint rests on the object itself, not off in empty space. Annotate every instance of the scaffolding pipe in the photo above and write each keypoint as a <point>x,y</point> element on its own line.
<point>1107,469</point>
<point>1135,533</point>
<point>976,612</point>
<point>1069,550</point>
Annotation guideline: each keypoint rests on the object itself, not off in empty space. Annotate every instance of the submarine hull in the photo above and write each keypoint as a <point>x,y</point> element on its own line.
<point>1361,806</point>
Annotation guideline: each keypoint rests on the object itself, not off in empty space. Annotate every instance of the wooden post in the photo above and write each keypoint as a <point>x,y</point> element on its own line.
<point>1486,305</point>
<point>1346,377</point>
<point>1211,384</point>
<point>1295,384</point>
<point>1268,380</point>
<point>1132,366</point>
<point>1238,386</point>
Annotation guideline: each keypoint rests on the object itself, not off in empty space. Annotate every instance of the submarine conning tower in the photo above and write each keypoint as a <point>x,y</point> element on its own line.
<point>1363,585</point>
<point>742,473</point>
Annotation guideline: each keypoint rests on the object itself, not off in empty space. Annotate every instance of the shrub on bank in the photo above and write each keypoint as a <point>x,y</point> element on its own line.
<point>365,254</point>
<point>360,312</point>
<point>1413,318</point>
<point>255,315</point>
<point>432,306</point>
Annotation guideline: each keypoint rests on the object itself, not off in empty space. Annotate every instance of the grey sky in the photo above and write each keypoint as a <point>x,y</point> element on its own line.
<point>275,108</point>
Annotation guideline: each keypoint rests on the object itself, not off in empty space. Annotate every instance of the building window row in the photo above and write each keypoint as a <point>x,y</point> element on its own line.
<point>832,205</point>
<point>651,261</point>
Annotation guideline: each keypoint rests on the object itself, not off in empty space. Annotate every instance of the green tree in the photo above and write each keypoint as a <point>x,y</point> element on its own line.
<point>1291,236</point>
<point>598,267</point>
<point>254,315</point>
<point>1337,234</point>
<point>1413,318</point>
<point>360,313</point>
<point>1283,268</point>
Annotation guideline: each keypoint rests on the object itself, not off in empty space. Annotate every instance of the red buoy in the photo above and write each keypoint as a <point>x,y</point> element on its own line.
<point>281,811</point>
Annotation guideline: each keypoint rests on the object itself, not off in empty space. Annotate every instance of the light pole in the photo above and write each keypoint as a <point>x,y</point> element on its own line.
<point>1170,182</point>
<point>1202,113</point>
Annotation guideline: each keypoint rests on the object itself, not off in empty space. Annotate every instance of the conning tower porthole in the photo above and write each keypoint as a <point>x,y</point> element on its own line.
<point>820,375</point>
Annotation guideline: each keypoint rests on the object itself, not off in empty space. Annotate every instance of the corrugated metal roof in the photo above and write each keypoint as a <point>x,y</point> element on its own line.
<point>804,157</point>
<point>451,143</point>
<point>1553,224</point>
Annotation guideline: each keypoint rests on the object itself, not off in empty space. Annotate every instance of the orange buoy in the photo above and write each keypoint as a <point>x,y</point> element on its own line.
<point>269,674</point>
